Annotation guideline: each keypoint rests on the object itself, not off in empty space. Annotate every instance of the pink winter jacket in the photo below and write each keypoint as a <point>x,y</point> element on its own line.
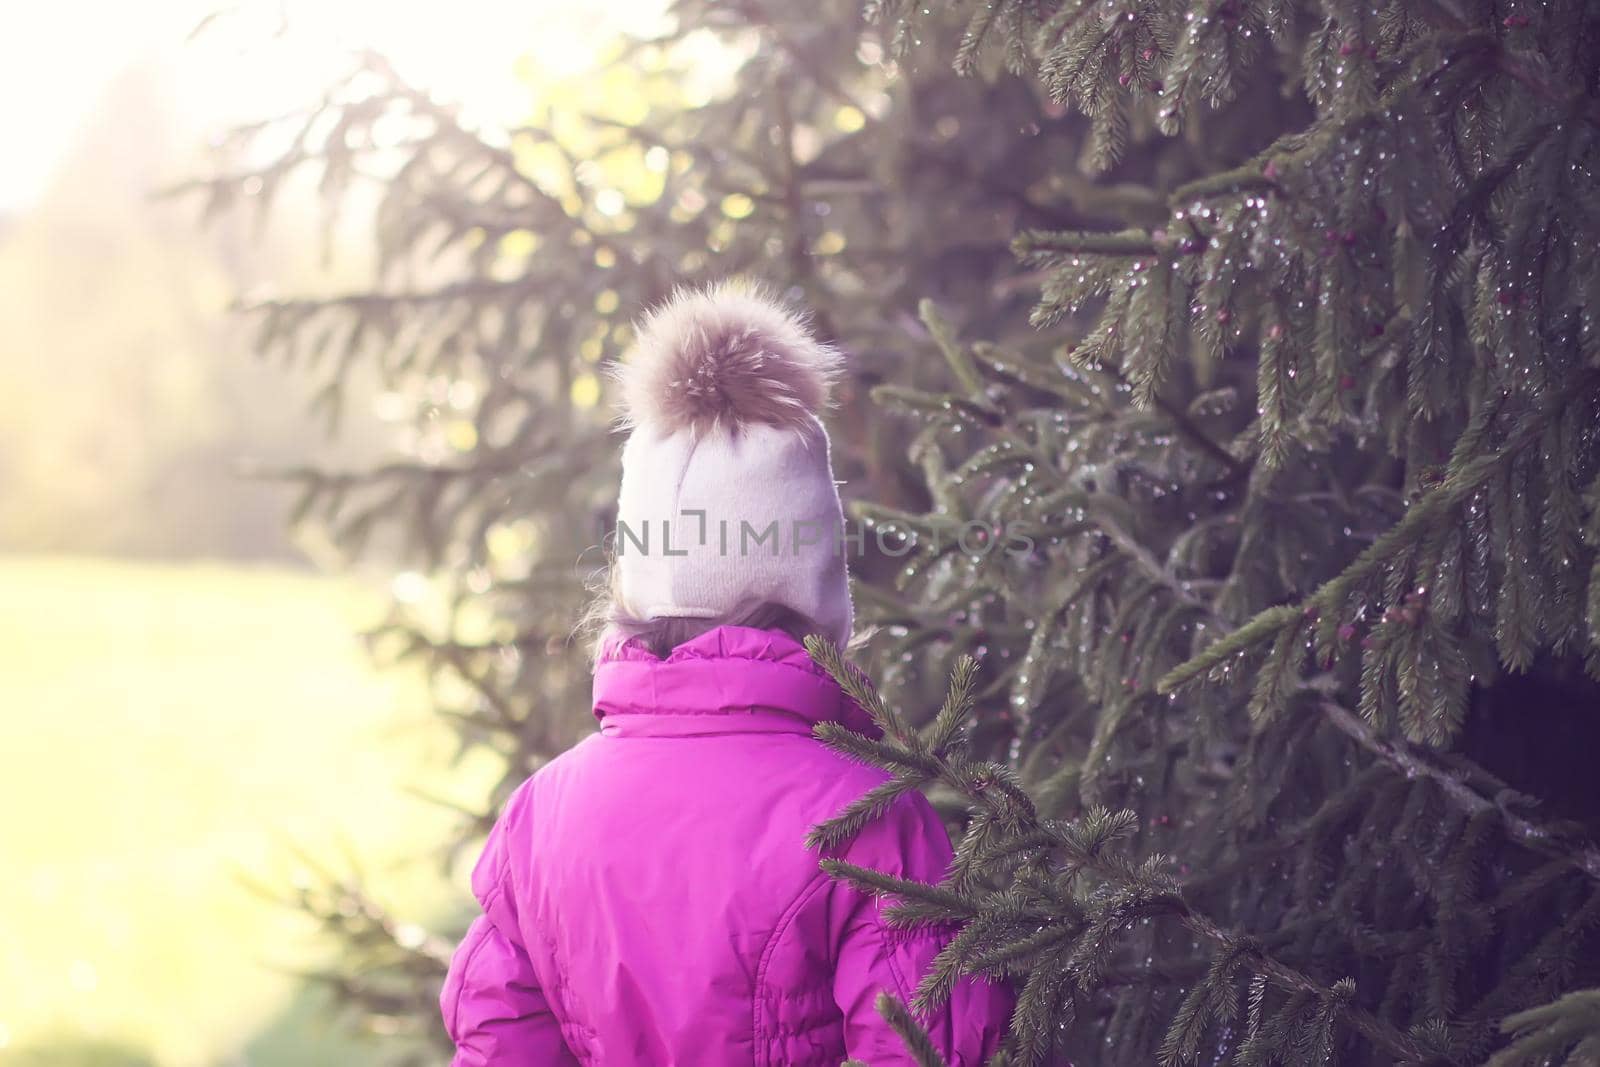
<point>648,898</point>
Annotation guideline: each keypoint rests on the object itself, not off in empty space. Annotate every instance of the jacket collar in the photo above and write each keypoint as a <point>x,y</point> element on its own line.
<point>731,679</point>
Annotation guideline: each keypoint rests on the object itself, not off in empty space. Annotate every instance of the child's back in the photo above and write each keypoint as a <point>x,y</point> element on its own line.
<point>657,880</point>
<point>648,898</point>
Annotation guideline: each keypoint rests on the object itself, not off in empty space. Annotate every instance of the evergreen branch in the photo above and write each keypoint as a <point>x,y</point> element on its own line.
<point>899,1017</point>
<point>998,953</point>
<point>859,812</point>
<point>1215,998</point>
<point>1180,419</point>
<point>1466,479</point>
<point>966,372</point>
<point>1189,429</point>
<point>490,694</point>
<point>1087,853</point>
<point>960,362</point>
<point>1443,15</point>
<point>867,750</point>
<point>1579,104</point>
<point>1382,1034</point>
<point>1083,242</point>
<point>859,688</point>
<point>796,242</point>
<point>1141,556</point>
<point>1370,1026</point>
<point>1552,1029</point>
<point>1062,21</point>
<point>233,179</point>
<point>953,904</point>
<point>935,404</point>
<point>1414,764</point>
<point>882,515</point>
<point>1264,626</point>
<point>367,300</point>
<point>957,706</point>
<point>1247,177</point>
<point>446,121</point>
<point>1397,754</point>
<point>1142,889</point>
<point>802,59</point>
<point>499,462</point>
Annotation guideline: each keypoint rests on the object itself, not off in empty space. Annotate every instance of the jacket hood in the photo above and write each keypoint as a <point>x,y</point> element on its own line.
<point>731,679</point>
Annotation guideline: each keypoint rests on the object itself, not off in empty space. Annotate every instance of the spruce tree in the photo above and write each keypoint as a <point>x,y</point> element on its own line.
<point>1223,406</point>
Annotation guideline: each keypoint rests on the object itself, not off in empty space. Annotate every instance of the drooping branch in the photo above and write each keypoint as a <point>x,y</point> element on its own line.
<point>989,786</point>
<point>1412,763</point>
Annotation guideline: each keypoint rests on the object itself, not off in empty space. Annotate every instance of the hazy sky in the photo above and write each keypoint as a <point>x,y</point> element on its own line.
<point>58,57</point>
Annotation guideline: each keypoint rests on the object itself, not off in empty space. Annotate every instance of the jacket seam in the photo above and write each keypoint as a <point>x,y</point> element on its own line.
<point>901,988</point>
<point>725,709</point>
<point>899,935</point>
<point>757,1034</point>
<point>502,868</point>
<point>805,669</point>
<point>496,891</point>
<point>486,904</point>
<point>466,972</point>
<point>619,734</point>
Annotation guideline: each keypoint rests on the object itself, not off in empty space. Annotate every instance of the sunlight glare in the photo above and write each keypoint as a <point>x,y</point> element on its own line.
<point>256,58</point>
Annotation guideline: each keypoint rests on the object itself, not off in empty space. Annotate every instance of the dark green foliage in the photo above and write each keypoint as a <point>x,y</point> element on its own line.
<point>1566,1032</point>
<point>1066,901</point>
<point>1334,584</point>
<point>1224,382</point>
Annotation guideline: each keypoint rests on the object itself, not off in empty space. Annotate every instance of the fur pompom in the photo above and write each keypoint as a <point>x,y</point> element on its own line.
<point>725,356</point>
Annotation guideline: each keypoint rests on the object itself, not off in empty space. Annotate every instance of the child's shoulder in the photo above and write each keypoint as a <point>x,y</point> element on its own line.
<point>564,763</point>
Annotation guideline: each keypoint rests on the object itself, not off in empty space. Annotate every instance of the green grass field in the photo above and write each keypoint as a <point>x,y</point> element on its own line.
<point>161,726</point>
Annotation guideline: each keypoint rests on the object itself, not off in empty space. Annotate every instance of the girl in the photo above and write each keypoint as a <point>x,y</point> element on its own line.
<point>647,896</point>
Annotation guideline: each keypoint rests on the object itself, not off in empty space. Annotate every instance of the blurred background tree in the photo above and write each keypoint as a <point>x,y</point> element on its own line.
<point>160,620</point>
<point>1270,324</point>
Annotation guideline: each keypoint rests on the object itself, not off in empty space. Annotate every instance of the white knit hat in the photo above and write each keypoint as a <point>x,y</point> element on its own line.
<point>728,497</point>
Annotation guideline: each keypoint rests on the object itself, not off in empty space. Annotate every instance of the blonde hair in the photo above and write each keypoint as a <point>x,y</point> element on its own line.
<point>662,634</point>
